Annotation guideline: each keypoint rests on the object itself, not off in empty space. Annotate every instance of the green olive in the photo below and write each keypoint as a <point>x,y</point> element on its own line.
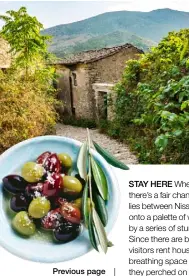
<point>39,207</point>
<point>23,224</point>
<point>71,184</point>
<point>78,203</point>
<point>65,160</point>
<point>32,172</point>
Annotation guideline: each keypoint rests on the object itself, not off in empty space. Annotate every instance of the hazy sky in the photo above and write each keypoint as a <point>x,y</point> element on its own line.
<point>52,13</point>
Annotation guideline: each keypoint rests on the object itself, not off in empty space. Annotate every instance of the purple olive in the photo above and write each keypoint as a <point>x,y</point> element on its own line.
<point>52,186</point>
<point>19,203</point>
<point>14,183</point>
<point>67,232</point>
<point>52,220</point>
<point>52,163</point>
<point>33,191</point>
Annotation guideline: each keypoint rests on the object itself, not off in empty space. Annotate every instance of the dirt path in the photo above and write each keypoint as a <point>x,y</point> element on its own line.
<point>119,150</point>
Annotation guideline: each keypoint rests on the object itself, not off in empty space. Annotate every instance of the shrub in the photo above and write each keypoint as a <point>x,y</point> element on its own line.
<point>27,108</point>
<point>152,107</point>
<point>86,123</point>
<point>27,96</point>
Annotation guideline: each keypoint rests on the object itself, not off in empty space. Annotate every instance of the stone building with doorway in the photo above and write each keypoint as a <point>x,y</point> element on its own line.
<point>86,78</point>
<point>5,58</point>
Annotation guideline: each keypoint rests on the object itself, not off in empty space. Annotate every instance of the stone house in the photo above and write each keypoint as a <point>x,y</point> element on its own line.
<point>86,78</point>
<point>5,59</point>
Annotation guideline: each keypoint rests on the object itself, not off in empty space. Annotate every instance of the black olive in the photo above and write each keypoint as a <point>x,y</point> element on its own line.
<point>19,203</point>
<point>67,232</point>
<point>14,183</point>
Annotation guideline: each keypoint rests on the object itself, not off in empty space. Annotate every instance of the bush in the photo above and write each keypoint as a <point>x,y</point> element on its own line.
<point>152,107</point>
<point>27,96</point>
<point>27,108</point>
<point>86,123</point>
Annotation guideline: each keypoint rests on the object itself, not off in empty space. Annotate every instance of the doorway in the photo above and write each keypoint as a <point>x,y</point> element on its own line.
<point>71,96</point>
<point>102,105</point>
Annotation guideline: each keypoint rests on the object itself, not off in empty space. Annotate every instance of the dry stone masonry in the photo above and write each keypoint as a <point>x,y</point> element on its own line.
<point>79,74</point>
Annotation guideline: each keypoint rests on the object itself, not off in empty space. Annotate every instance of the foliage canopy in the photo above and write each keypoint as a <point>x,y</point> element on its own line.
<point>152,107</point>
<point>27,96</point>
<point>22,31</point>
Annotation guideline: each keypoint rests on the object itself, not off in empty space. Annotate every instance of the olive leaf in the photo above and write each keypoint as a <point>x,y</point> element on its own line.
<point>94,219</point>
<point>100,231</point>
<point>92,232</point>
<point>82,161</point>
<point>100,179</point>
<point>85,210</point>
<point>100,207</point>
<point>110,158</point>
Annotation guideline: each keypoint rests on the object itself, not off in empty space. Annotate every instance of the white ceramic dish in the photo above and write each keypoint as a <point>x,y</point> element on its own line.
<point>42,250</point>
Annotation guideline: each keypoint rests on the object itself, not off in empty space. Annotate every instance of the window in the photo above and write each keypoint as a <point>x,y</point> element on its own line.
<point>74,76</point>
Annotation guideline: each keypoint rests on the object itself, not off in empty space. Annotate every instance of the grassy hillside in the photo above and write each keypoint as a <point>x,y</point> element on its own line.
<point>143,29</point>
<point>107,40</point>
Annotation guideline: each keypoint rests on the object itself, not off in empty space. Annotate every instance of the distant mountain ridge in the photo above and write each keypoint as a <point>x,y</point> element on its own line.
<point>143,29</point>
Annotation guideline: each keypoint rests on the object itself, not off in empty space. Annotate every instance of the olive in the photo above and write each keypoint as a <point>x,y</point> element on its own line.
<point>65,160</point>
<point>34,190</point>
<point>19,202</point>
<point>56,202</point>
<point>32,172</point>
<point>23,224</point>
<point>52,220</point>
<point>14,183</point>
<point>70,212</point>
<point>43,157</point>
<point>71,185</point>
<point>52,186</point>
<point>39,207</point>
<point>52,163</point>
<point>78,203</point>
<point>66,232</point>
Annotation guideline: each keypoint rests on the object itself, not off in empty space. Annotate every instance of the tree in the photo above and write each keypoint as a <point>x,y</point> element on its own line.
<point>27,95</point>
<point>152,104</point>
<point>23,33</point>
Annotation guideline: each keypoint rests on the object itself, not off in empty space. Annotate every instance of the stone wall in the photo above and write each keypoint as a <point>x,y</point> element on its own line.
<point>75,94</point>
<point>5,58</point>
<point>110,69</point>
<point>79,100</point>
<point>82,97</point>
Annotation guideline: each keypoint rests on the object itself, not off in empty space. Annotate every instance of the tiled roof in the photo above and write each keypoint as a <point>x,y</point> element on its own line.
<point>94,55</point>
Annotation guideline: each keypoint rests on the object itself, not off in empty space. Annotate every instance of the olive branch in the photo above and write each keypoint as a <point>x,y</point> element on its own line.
<point>96,186</point>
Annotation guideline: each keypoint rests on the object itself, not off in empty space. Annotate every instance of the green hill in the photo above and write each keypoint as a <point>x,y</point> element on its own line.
<point>143,29</point>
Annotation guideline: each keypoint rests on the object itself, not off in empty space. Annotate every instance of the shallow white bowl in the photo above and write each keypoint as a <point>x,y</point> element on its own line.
<point>43,250</point>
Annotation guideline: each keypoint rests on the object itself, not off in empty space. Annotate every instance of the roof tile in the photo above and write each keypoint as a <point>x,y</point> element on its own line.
<point>94,55</point>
